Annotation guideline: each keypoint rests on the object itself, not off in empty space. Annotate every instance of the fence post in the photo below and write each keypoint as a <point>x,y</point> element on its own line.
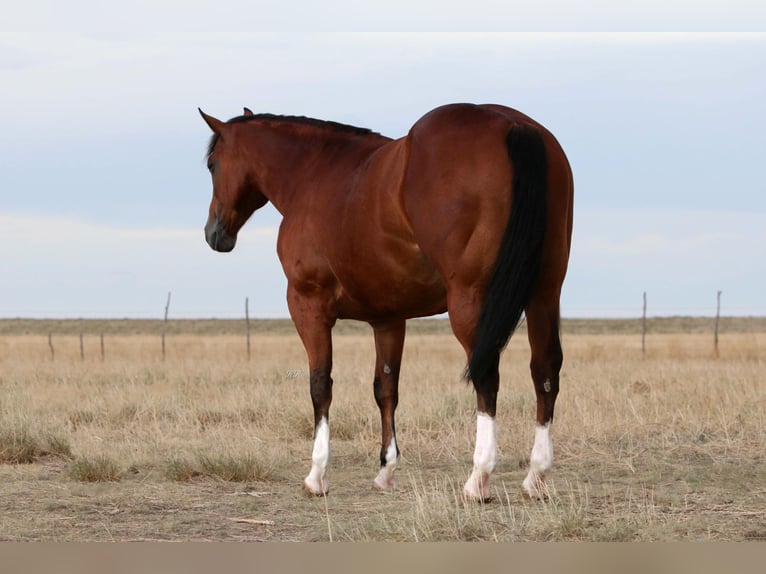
<point>247,325</point>
<point>164,326</point>
<point>102,346</point>
<point>643,330</point>
<point>717,317</point>
<point>50,344</point>
<point>82,348</point>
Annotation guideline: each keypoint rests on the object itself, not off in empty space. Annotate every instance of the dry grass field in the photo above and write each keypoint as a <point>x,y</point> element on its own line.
<point>208,446</point>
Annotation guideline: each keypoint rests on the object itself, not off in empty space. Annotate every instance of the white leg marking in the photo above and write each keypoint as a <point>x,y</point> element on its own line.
<point>540,462</point>
<point>484,458</point>
<point>385,479</point>
<point>316,482</point>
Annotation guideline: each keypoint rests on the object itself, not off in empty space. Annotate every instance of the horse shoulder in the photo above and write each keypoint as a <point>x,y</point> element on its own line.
<point>303,261</point>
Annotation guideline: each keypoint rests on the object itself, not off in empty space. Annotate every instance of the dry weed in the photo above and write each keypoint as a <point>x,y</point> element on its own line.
<point>663,447</point>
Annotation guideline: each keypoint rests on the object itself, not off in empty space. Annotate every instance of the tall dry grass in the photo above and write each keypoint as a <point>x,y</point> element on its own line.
<point>664,447</point>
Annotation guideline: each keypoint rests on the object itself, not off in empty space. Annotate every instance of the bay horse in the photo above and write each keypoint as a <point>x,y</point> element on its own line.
<point>469,213</point>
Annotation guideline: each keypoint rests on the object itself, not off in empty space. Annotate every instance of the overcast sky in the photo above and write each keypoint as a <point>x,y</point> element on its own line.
<point>104,191</point>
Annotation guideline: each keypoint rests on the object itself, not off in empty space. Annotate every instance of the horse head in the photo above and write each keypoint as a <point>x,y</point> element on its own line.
<point>235,189</point>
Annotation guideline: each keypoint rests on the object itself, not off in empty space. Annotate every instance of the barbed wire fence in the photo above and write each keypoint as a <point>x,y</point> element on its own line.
<point>644,320</point>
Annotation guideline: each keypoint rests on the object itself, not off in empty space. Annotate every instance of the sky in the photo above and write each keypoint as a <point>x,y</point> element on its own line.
<point>104,191</point>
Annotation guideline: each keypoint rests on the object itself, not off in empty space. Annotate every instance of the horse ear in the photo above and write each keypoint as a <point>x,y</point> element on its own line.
<point>214,124</point>
<point>248,112</point>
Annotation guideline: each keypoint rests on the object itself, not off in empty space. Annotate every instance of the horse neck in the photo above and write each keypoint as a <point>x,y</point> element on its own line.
<point>297,159</point>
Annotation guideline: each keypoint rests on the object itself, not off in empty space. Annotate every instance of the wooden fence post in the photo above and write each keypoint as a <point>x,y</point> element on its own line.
<point>247,325</point>
<point>717,317</point>
<point>102,346</point>
<point>643,330</point>
<point>50,344</point>
<point>164,326</point>
<point>82,348</point>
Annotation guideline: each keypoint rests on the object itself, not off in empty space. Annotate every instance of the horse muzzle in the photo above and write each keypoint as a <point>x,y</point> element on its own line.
<point>218,238</point>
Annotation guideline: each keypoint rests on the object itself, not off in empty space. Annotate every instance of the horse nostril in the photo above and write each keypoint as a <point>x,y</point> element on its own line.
<point>218,238</point>
<point>211,236</point>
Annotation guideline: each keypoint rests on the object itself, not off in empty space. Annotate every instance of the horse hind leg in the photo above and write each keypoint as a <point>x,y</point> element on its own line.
<point>545,364</point>
<point>485,450</point>
<point>464,308</point>
<point>389,344</point>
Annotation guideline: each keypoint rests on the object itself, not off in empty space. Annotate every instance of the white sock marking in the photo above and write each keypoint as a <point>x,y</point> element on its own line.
<point>485,453</point>
<point>316,481</point>
<point>391,453</point>
<point>484,458</point>
<point>385,479</point>
<point>540,461</point>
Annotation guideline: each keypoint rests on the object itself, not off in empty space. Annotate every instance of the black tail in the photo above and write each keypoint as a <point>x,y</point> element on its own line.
<point>518,260</point>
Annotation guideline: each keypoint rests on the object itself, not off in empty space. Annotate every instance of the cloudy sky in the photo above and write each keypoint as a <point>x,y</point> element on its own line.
<point>104,191</point>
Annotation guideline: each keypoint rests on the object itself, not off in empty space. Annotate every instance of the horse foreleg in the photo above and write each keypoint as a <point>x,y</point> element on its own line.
<point>314,325</point>
<point>321,396</point>
<point>389,342</point>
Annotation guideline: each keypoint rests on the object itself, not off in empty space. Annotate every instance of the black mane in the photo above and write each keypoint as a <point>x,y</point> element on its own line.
<point>303,120</point>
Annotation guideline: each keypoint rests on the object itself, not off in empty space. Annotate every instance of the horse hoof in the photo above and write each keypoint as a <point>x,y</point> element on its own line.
<point>476,488</point>
<point>385,481</point>
<point>534,487</point>
<point>313,488</point>
<point>476,498</point>
<point>473,499</point>
<point>384,485</point>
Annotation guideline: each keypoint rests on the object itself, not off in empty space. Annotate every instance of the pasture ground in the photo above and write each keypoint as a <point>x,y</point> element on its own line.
<point>208,446</point>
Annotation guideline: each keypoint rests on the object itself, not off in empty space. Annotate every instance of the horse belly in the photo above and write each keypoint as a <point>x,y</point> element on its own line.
<point>397,284</point>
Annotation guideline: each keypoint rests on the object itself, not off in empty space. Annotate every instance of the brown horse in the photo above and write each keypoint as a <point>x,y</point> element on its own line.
<point>470,213</point>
